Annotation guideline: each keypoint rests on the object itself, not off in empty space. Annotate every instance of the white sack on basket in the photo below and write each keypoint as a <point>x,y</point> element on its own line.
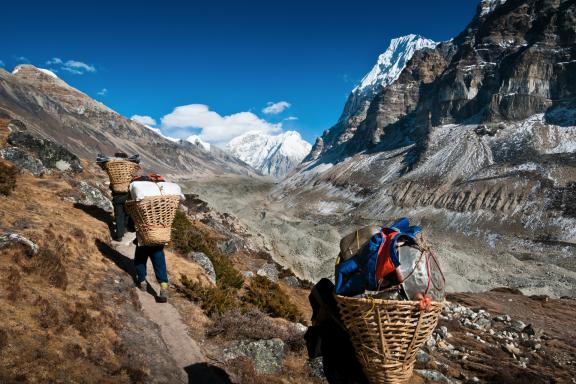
<point>142,189</point>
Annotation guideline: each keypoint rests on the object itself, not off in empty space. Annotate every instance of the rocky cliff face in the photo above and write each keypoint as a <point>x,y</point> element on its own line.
<point>271,155</point>
<point>476,138</point>
<point>386,70</point>
<point>53,109</point>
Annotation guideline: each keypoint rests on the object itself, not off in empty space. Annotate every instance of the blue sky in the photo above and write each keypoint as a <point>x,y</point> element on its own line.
<point>233,57</point>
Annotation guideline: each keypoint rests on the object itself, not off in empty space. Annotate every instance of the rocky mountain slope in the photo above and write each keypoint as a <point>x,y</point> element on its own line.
<point>53,109</point>
<point>274,155</point>
<point>475,139</point>
<point>386,70</point>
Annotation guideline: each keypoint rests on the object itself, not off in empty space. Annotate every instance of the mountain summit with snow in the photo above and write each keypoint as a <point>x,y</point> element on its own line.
<point>271,155</point>
<point>386,70</point>
<point>391,63</point>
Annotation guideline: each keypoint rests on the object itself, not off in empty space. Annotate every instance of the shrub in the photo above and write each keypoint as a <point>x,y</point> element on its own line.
<point>252,324</point>
<point>186,239</point>
<point>213,301</point>
<point>8,175</point>
<point>269,298</point>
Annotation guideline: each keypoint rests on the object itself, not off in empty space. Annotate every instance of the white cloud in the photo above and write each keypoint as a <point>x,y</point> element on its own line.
<point>102,92</point>
<point>213,127</point>
<point>276,108</point>
<point>144,120</point>
<point>77,67</point>
<point>54,61</point>
<point>291,118</point>
<point>72,66</point>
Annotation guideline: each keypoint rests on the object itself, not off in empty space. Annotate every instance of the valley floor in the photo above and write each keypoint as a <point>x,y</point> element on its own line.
<point>308,243</point>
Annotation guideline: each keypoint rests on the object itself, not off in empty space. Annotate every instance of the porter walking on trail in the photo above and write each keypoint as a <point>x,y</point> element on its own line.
<point>156,255</point>
<point>153,206</point>
<point>120,169</point>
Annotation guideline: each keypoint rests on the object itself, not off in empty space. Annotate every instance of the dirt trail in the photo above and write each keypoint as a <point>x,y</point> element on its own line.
<point>185,350</point>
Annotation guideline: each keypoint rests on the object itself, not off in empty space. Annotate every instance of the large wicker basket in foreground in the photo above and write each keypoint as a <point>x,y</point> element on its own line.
<point>386,334</point>
<point>120,173</point>
<point>153,217</point>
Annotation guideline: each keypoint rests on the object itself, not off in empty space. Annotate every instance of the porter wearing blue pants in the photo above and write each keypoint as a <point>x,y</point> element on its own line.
<point>156,254</point>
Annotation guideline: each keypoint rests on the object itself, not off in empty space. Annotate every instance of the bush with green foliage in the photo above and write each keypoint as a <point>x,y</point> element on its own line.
<point>269,298</point>
<point>186,239</point>
<point>212,300</point>
<point>262,293</point>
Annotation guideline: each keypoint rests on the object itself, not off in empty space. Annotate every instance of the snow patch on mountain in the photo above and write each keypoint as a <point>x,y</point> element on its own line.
<point>159,132</point>
<point>43,70</point>
<point>391,63</point>
<point>196,140</point>
<point>487,6</point>
<point>274,155</point>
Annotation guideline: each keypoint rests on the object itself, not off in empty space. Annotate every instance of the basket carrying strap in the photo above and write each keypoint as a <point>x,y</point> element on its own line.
<point>385,265</point>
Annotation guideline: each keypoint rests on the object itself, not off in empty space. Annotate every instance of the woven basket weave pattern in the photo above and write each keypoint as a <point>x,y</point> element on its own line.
<point>120,173</point>
<point>386,334</point>
<point>153,217</point>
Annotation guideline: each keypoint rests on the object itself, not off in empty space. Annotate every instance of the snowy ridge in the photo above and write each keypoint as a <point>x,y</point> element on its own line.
<point>196,140</point>
<point>487,6</point>
<point>271,155</point>
<point>391,63</point>
<point>44,71</point>
<point>159,132</point>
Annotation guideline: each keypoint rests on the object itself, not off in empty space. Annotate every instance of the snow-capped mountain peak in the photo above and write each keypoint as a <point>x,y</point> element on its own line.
<point>271,155</point>
<point>47,72</point>
<point>196,140</point>
<point>391,63</point>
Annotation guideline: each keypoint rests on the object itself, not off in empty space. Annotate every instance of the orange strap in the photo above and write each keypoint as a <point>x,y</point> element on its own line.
<point>384,264</point>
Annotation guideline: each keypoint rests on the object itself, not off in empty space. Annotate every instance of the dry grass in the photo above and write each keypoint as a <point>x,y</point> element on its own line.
<point>56,326</point>
<point>8,174</point>
<point>252,324</point>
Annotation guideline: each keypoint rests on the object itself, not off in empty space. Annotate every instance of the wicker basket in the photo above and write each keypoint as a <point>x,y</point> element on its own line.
<point>386,334</point>
<point>153,217</point>
<point>120,173</point>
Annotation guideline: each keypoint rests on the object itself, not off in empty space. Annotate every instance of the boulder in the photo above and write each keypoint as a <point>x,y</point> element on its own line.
<point>292,281</point>
<point>204,261</point>
<point>422,357</point>
<point>316,367</point>
<point>50,154</point>
<point>432,375</point>
<point>7,239</point>
<point>227,247</point>
<point>266,355</point>
<point>270,271</point>
<point>22,159</point>
<point>92,196</point>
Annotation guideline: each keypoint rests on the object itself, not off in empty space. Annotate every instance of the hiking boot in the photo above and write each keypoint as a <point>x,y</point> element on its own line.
<point>143,286</point>
<point>163,296</point>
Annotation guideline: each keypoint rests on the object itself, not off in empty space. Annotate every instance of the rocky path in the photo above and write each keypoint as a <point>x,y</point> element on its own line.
<point>185,350</point>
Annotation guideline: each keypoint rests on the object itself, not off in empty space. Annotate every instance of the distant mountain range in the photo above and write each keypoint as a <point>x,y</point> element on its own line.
<point>274,155</point>
<point>52,108</point>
